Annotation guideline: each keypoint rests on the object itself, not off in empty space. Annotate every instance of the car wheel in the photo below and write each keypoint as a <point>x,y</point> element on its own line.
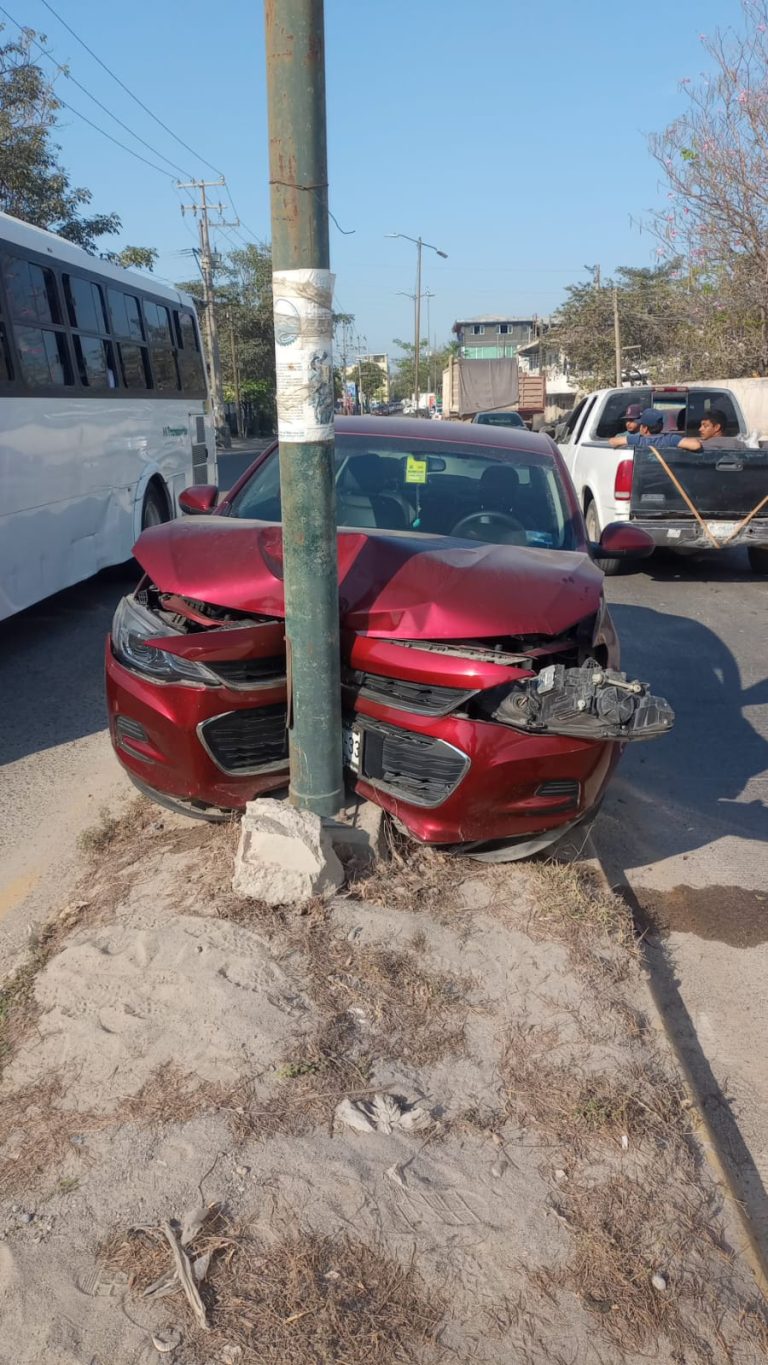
<point>758,558</point>
<point>155,509</point>
<point>608,566</point>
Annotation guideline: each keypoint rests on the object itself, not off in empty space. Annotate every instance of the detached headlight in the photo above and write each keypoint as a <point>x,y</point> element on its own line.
<point>133,629</point>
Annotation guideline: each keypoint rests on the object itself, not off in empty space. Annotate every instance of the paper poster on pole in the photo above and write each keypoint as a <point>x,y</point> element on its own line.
<point>303,354</point>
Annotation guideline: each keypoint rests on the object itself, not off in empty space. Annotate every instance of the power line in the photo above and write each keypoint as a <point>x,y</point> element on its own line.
<point>116,141</point>
<point>68,75</point>
<point>129,92</point>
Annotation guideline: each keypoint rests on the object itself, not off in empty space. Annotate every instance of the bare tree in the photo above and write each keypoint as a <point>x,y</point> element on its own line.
<point>715,162</point>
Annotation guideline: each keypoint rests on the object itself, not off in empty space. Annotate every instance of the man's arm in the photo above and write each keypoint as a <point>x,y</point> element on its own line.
<point>617,441</point>
<point>689,443</point>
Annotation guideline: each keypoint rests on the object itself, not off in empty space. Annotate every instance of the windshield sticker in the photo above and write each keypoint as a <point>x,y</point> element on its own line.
<point>415,470</point>
<point>303,354</point>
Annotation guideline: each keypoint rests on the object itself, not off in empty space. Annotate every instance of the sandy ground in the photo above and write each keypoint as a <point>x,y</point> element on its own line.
<point>172,1050</point>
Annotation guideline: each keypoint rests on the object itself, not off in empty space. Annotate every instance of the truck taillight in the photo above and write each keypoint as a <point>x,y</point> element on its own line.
<point>622,488</point>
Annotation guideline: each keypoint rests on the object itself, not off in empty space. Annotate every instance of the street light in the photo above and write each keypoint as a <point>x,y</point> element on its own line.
<point>418,243</point>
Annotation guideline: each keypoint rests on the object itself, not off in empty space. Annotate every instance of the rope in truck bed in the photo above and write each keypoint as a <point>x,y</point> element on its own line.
<point>717,544</point>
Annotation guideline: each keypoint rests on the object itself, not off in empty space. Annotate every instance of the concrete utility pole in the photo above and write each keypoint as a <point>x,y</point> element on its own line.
<point>419,244</point>
<point>617,335</point>
<point>201,212</point>
<point>302,290</point>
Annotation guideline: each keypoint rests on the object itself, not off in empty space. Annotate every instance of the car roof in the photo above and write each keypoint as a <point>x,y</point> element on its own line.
<point>446,433</point>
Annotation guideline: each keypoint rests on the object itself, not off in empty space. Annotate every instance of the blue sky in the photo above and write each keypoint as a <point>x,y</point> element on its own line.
<point>510,134</point>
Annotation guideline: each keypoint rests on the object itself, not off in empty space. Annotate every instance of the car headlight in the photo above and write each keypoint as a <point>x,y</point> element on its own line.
<point>133,629</point>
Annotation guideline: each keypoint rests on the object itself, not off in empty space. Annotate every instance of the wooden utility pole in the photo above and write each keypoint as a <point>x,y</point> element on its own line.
<point>303,291</point>
<point>617,335</point>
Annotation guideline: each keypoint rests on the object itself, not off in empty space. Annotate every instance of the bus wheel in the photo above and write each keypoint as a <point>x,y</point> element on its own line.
<point>155,509</point>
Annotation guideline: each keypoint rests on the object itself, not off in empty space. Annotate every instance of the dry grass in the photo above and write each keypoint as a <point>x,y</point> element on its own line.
<point>627,1230</point>
<point>574,1105</point>
<point>38,1131</point>
<point>573,907</point>
<point>297,1299</point>
<point>412,877</point>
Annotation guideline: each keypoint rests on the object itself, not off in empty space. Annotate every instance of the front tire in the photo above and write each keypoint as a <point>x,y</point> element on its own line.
<point>758,558</point>
<point>610,567</point>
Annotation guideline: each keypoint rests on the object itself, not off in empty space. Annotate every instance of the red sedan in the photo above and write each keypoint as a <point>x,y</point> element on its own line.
<point>481,699</point>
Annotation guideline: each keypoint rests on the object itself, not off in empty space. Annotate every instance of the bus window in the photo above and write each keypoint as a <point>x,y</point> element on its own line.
<point>32,292</point>
<point>6,368</point>
<point>95,362</point>
<point>43,357</point>
<point>161,347</point>
<point>126,316</point>
<point>85,305</point>
<point>133,366</point>
<point>190,360</point>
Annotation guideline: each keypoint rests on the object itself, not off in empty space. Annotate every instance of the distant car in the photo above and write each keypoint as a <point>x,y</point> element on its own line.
<point>478,699</point>
<point>498,419</point>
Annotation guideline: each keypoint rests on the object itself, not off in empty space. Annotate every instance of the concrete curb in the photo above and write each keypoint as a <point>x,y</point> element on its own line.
<point>752,1249</point>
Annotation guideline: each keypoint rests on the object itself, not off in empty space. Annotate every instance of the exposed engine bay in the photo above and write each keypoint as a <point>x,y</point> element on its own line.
<point>588,702</point>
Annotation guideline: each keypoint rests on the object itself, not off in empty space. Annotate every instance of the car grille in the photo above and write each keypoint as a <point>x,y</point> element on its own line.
<point>423,698</point>
<point>249,672</point>
<point>248,741</point>
<point>421,770</point>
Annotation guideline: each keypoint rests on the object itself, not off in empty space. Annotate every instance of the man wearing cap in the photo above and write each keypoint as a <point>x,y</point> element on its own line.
<point>632,418</point>
<point>652,433</point>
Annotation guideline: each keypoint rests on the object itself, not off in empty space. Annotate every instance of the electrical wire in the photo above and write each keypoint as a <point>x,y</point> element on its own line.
<point>68,75</point>
<point>129,92</point>
<point>117,142</point>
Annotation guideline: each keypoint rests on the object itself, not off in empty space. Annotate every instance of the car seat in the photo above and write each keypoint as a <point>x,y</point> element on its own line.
<point>368,495</point>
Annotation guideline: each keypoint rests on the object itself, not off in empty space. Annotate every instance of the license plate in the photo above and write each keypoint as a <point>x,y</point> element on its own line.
<point>351,747</point>
<point>721,530</point>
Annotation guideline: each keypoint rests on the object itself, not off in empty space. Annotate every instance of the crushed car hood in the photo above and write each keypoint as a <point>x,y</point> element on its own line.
<point>390,585</point>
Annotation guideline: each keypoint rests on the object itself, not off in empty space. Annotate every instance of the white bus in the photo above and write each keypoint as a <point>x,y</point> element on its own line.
<point>104,411</point>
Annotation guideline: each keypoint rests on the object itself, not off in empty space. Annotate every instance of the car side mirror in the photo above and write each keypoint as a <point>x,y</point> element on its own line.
<point>198,499</point>
<point>622,540</point>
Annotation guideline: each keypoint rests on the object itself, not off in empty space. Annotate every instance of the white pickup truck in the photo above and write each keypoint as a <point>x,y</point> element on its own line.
<point>720,487</point>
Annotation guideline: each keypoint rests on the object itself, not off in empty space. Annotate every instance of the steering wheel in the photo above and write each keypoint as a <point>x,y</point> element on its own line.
<point>473,526</point>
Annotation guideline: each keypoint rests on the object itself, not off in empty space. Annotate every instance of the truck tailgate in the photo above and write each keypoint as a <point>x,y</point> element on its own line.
<point>722,484</point>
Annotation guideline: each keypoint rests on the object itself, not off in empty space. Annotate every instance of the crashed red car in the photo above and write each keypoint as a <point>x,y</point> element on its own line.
<point>481,698</point>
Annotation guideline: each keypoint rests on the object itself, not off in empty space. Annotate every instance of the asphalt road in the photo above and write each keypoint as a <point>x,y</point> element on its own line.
<point>685,829</point>
<point>685,825</point>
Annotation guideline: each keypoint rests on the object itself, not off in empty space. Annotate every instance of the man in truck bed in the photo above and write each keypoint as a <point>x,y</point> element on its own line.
<point>712,432</point>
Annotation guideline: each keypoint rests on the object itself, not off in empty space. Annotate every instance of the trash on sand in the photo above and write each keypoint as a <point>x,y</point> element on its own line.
<point>381,1114</point>
<point>166,1341</point>
<point>624,1142</point>
<point>499,1167</point>
<point>397,1175</point>
<point>658,1281</point>
<point>185,1277</point>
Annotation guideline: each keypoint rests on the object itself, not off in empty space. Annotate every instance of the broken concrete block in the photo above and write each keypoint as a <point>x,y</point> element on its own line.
<point>285,856</point>
<point>358,832</point>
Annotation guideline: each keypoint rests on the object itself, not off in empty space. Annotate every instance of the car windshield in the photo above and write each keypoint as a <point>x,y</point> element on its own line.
<point>434,488</point>
<point>500,419</point>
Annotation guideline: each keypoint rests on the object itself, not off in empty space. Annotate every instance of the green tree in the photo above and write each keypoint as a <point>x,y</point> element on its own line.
<point>33,185</point>
<point>132,257</point>
<point>657,319</point>
<point>432,362</point>
<point>243,304</point>
<point>371,380</point>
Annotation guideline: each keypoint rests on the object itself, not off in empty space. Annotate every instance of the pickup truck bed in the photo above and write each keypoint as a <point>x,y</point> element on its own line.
<point>723,485</point>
